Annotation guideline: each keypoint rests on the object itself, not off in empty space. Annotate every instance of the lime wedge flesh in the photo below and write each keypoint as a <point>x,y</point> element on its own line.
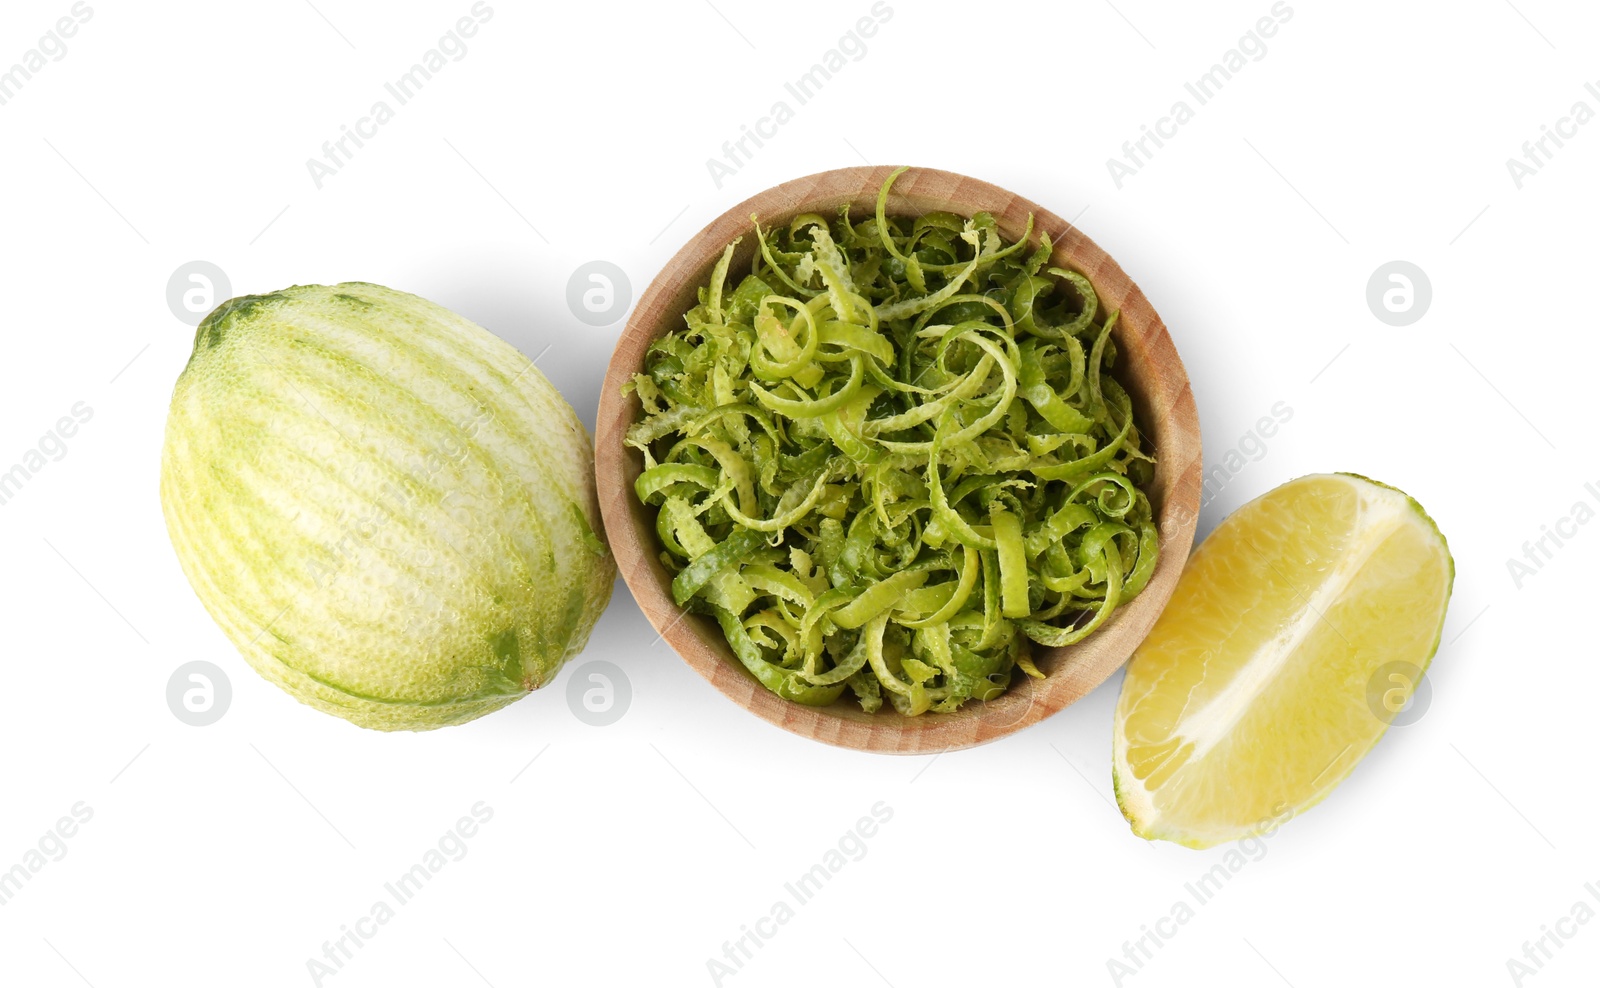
<point>1253,696</point>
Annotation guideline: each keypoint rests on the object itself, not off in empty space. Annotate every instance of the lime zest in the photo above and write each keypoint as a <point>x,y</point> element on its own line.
<point>893,456</point>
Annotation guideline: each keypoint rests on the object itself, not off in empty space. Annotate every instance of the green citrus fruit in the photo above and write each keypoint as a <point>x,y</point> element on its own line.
<point>388,510</point>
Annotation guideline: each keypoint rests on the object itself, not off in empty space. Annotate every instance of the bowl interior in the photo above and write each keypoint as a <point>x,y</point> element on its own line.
<point>1148,366</point>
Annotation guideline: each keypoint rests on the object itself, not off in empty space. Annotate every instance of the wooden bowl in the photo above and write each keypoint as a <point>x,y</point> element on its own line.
<point>1148,366</point>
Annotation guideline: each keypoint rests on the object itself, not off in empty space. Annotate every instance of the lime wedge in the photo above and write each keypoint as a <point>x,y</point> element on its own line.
<point>1300,627</point>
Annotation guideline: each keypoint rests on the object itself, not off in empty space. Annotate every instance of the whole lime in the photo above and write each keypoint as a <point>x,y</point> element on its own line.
<point>388,510</point>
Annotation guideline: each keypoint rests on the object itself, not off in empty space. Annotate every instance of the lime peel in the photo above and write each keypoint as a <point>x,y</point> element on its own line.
<point>892,455</point>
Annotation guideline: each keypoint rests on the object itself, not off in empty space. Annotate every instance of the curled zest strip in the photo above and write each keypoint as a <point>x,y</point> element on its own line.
<point>892,457</point>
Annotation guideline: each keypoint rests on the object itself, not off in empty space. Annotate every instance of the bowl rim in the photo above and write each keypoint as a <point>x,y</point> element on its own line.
<point>1149,366</point>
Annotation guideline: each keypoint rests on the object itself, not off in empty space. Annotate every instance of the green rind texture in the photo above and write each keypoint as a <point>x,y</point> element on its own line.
<point>387,509</point>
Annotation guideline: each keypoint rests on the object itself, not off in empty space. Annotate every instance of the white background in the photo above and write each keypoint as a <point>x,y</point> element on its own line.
<point>628,854</point>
